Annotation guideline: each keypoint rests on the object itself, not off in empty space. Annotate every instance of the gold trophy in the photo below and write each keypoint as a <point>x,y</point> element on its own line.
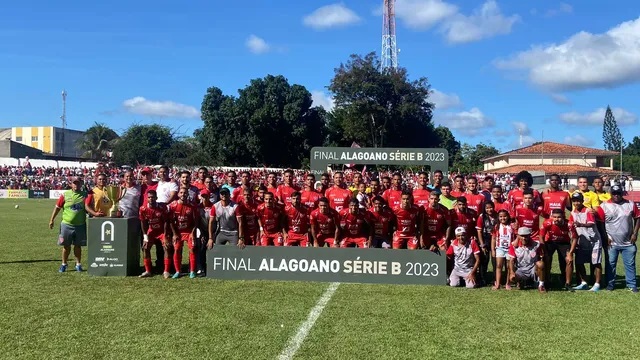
<point>114,193</point>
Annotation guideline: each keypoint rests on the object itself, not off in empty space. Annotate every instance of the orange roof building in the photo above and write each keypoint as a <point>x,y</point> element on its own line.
<point>551,157</point>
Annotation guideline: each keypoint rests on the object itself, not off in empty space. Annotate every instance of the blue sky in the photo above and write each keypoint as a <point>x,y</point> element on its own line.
<point>496,67</point>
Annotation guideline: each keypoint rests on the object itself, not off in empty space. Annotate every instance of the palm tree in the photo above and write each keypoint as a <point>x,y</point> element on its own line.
<point>97,141</point>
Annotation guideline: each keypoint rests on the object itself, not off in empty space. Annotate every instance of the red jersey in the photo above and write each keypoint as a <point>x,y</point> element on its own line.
<point>392,197</point>
<point>144,189</point>
<point>407,221</point>
<point>380,222</point>
<point>475,202</point>
<point>310,198</point>
<point>249,218</point>
<point>297,218</point>
<point>502,205</point>
<point>324,224</point>
<point>271,218</point>
<point>528,218</point>
<point>516,198</point>
<point>421,197</point>
<point>338,198</point>
<point>237,196</point>
<point>556,233</point>
<point>183,216</point>
<point>456,193</point>
<point>353,225</point>
<point>467,220</point>
<point>156,217</point>
<point>436,221</point>
<point>554,200</point>
<point>283,193</point>
<point>199,185</point>
<point>272,190</point>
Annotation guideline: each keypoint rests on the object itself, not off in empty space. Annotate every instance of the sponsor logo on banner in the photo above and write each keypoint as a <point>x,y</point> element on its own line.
<point>4,194</point>
<point>55,194</point>
<point>18,194</point>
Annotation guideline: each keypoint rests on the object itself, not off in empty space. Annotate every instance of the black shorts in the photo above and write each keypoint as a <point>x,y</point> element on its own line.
<point>561,248</point>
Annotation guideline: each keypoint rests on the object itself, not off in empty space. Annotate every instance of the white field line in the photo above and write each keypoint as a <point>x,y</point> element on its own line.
<point>296,341</point>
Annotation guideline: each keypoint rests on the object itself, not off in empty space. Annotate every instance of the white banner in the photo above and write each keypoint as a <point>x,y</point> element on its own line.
<point>55,194</point>
<point>4,194</point>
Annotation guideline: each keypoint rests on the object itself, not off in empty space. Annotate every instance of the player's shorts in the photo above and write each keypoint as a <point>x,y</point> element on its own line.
<point>405,242</point>
<point>185,237</point>
<point>456,278</point>
<point>324,239</point>
<point>526,274</point>
<point>381,242</point>
<point>294,239</point>
<point>439,241</point>
<point>252,239</point>
<point>72,235</point>
<point>272,240</point>
<point>353,242</point>
<point>501,252</point>
<point>589,253</point>
<point>561,248</point>
<point>156,239</point>
<point>224,238</point>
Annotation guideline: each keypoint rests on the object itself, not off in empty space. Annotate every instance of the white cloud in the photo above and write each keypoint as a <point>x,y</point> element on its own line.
<point>423,14</point>
<point>321,99</point>
<point>596,117</point>
<point>141,106</point>
<point>521,128</point>
<point>563,8</point>
<point>257,45</point>
<point>560,99</point>
<point>578,140</point>
<point>444,101</point>
<point>331,16</point>
<point>470,123</point>
<point>583,61</point>
<point>485,22</point>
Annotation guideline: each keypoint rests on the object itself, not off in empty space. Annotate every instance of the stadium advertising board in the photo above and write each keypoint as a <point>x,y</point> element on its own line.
<point>38,194</point>
<point>350,265</point>
<point>321,157</point>
<point>4,194</point>
<point>18,194</point>
<point>55,194</point>
<point>113,246</point>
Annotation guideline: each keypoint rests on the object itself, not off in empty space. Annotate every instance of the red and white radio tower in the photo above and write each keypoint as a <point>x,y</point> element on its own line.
<point>389,47</point>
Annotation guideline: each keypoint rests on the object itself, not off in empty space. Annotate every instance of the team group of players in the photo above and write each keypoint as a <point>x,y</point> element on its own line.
<point>472,224</point>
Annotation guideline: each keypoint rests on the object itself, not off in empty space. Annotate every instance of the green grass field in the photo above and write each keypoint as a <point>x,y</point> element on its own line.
<point>47,315</point>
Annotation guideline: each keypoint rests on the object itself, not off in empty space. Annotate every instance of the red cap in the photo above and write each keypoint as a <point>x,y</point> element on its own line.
<point>205,192</point>
<point>146,169</point>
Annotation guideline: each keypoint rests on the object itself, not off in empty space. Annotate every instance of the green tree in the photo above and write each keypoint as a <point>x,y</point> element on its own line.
<point>470,159</point>
<point>97,141</point>
<point>186,151</point>
<point>270,123</point>
<point>380,108</point>
<point>144,144</point>
<point>449,142</point>
<point>611,133</point>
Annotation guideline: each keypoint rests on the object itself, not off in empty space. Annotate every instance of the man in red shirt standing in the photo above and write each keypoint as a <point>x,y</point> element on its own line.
<point>393,195</point>
<point>154,220</point>
<point>271,221</point>
<point>245,183</point>
<point>356,232</point>
<point>200,181</point>
<point>421,192</point>
<point>437,220</point>
<point>184,219</point>
<point>458,186</point>
<point>338,196</point>
<point>475,200</point>
<point>297,225</point>
<point>527,215</point>
<point>557,236</point>
<point>324,225</point>
<point>408,222</point>
<point>464,217</point>
<point>248,219</point>
<point>308,195</point>
<point>554,197</point>
<point>272,183</point>
<point>524,180</point>
<point>498,200</point>
<point>286,188</point>
<point>380,218</point>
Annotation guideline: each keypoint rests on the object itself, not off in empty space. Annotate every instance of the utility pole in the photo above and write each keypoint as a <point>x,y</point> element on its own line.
<point>64,121</point>
<point>389,53</point>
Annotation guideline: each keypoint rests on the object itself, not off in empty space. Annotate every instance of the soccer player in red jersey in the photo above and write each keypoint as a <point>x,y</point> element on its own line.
<point>271,220</point>
<point>260,196</point>
<point>325,179</point>
<point>380,218</point>
<point>376,190</point>
<point>248,219</point>
<point>393,195</point>
<point>356,231</point>
<point>297,225</point>
<point>524,180</point>
<point>184,221</point>
<point>421,192</point>
<point>192,191</point>
<point>437,220</point>
<point>272,183</point>
<point>527,215</point>
<point>200,181</point>
<point>147,183</point>
<point>554,197</point>
<point>458,187</point>
<point>557,236</point>
<point>286,188</point>
<point>475,200</point>
<point>154,220</point>
<point>245,183</point>
<point>497,197</point>
<point>324,225</point>
<point>338,196</point>
<point>408,223</point>
<point>309,196</point>
<point>463,217</point>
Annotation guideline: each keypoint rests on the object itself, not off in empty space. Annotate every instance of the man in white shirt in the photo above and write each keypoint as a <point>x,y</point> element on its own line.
<point>167,188</point>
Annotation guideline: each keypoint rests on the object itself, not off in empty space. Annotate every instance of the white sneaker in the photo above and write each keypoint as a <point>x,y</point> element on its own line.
<point>145,274</point>
<point>595,288</point>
